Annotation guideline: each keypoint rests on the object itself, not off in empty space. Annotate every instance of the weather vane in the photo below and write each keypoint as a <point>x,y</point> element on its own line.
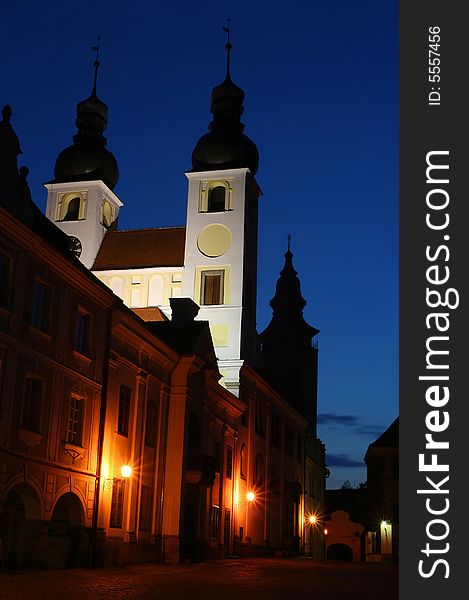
<point>228,46</point>
<point>96,49</point>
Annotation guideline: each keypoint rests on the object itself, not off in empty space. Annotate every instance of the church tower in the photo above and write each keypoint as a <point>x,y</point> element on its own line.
<point>220,263</point>
<point>288,346</point>
<point>80,200</point>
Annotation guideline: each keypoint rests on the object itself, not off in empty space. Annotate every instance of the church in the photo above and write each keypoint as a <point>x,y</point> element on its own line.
<point>142,415</point>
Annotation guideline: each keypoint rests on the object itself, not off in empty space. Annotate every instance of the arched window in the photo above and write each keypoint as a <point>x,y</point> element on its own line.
<point>258,475</point>
<point>243,462</point>
<point>73,209</point>
<point>108,214</point>
<point>216,199</point>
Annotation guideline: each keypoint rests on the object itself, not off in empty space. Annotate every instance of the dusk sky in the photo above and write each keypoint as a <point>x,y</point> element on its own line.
<point>321,84</point>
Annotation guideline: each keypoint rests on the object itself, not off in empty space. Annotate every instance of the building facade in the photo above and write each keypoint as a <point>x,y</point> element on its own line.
<point>141,418</point>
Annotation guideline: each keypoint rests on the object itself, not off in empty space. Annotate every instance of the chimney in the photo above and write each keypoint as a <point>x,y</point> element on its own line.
<point>183,311</point>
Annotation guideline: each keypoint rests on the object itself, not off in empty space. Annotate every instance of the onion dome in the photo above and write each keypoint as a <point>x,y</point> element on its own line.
<point>225,146</point>
<point>88,158</point>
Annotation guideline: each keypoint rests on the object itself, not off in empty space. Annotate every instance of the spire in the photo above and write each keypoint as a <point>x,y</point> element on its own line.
<point>88,158</point>
<point>288,303</point>
<point>225,146</point>
<point>92,113</point>
<point>228,47</point>
<point>96,65</point>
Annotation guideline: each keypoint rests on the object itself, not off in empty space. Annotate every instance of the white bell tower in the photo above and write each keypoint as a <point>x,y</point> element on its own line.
<point>84,211</point>
<point>220,264</point>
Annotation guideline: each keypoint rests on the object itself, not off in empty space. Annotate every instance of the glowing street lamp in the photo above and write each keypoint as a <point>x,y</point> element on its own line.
<point>313,519</point>
<point>126,471</point>
<point>250,496</point>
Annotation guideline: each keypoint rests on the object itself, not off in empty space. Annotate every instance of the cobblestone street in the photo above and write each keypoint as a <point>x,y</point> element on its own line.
<point>228,579</point>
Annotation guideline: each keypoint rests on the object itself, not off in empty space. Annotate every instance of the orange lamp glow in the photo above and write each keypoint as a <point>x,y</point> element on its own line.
<point>126,471</point>
<point>313,519</point>
<point>250,496</point>
<point>325,532</point>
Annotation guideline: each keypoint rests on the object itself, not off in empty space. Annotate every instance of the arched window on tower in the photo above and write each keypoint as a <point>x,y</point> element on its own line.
<point>216,199</point>
<point>73,209</point>
<point>108,214</point>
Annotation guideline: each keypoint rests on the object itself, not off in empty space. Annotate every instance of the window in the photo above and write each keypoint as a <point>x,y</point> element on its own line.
<point>5,280</point>
<point>150,424</point>
<point>212,287</point>
<point>229,462</point>
<point>243,465</point>
<point>145,508</point>
<point>124,411</point>
<point>217,456</point>
<point>71,207</point>
<point>108,214</point>
<point>258,475</point>
<point>214,518</point>
<point>40,308</point>
<point>75,421</point>
<point>117,503</point>
<point>82,330</point>
<point>32,400</point>
<point>216,199</point>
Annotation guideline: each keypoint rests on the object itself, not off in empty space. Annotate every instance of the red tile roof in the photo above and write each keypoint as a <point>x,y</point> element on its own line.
<point>141,248</point>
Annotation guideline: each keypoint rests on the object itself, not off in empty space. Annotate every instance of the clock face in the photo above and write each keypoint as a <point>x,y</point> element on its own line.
<point>75,245</point>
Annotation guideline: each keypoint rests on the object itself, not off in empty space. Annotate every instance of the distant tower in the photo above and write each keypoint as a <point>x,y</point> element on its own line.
<point>220,261</point>
<point>80,199</point>
<point>288,346</point>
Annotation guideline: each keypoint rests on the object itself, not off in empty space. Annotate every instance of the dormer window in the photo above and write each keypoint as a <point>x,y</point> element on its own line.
<point>71,207</point>
<point>216,199</point>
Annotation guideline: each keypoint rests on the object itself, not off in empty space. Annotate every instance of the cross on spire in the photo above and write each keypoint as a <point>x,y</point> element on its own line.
<point>228,47</point>
<point>96,64</point>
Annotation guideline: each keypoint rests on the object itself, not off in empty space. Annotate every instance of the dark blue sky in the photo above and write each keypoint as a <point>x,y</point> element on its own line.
<point>322,106</point>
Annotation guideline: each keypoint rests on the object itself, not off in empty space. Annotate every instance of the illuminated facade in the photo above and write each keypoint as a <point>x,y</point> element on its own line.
<point>142,419</point>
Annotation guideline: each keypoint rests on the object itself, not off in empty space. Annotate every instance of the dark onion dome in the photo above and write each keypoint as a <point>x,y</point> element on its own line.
<point>88,158</point>
<point>225,146</point>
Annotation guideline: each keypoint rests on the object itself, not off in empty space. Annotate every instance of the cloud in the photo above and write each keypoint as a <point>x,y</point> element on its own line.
<point>370,430</point>
<point>352,423</point>
<point>331,419</point>
<point>341,460</point>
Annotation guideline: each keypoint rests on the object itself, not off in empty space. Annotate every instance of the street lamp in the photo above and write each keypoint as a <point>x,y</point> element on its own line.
<point>250,496</point>
<point>126,472</point>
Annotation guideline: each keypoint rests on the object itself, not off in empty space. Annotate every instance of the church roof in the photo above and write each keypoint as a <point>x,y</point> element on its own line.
<point>141,248</point>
